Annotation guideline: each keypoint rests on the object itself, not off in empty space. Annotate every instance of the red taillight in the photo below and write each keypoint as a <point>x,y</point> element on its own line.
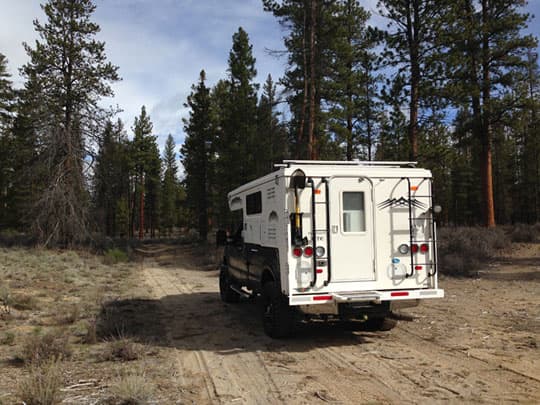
<point>414,248</point>
<point>399,294</point>
<point>322,298</point>
<point>308,251</point>
<point>319,271</point>
<point>418,267</point>
<point>297,252</point>
<point>424,248</point>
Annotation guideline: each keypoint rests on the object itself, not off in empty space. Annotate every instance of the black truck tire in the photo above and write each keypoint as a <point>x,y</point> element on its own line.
<point>226,292</point>
<point>278,316</point>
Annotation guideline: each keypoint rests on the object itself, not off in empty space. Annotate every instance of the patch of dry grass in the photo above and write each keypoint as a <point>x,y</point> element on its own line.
<point>64,293</point>
<point>39,349</point>
<point>42,385</point>
<point>132,389</point>
<point>122,349</point>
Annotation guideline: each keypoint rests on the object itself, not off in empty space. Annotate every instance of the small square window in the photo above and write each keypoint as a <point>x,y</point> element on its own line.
<point>354,218</point>
<point>254,203</point>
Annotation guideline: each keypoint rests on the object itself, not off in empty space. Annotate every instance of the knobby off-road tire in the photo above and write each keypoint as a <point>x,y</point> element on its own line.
<point>278,316</point>
<point>227,294</point>
<point>379,324</point>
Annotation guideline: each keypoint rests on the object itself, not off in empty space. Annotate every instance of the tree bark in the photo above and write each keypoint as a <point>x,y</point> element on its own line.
<point>141,209</point>
<point>413,40</point>
<point>487,169</point>
<point>301,127</point>
<point>312,49</point>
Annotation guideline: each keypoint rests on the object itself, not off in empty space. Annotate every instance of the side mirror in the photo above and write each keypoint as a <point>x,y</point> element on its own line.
<point>221,237</point>
<point>437,209</point>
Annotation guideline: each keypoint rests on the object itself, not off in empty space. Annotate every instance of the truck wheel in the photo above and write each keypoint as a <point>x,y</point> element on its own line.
<point>379,324</point>
<point>277,314</point>
<point>227,294</point>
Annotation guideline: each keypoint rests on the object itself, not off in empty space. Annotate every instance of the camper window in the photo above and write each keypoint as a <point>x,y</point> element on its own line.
<point>254,203</point>
<point>354,218</point>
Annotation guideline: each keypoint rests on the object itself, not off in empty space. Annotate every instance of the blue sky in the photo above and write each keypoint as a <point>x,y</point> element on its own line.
<point>161,46</point>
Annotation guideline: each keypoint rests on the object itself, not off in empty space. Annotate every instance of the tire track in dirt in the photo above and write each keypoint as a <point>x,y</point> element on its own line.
<point>193,368</point>
<point>226,377</point>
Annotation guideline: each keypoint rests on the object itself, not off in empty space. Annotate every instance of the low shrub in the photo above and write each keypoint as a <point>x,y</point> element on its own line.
<point>90,336</point>
<point>24,302</point>
<point>122,349</point>
<point>463,250</point>
<point>43,384</point>
<point>8,339</point>
<point>68,314</point>
<point>114,256</point>
<point>5,299</point>
<point>132,390</point>
<point>38,349</point>
<point>523,233</point>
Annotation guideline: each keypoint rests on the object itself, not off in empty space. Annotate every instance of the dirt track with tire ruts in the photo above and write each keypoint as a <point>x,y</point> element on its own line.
<point>479,344</point>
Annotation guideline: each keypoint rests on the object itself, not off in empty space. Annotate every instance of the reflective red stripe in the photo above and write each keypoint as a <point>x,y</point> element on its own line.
<point>322,297</point>
<point>399,294</point>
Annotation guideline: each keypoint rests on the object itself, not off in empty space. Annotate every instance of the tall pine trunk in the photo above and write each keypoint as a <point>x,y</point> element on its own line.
<point>141,209</point>
<point>312,150</point>
<point>487,136</point>
<point>413,41</point>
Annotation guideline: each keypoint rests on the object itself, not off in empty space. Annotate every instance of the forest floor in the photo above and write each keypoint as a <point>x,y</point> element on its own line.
<point>478,344</point>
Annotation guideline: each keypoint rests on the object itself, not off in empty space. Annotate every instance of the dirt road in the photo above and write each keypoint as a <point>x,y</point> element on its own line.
<point>480,344</point>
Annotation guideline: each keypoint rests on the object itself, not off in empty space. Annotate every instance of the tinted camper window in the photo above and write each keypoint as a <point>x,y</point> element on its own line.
<point>254,203</point>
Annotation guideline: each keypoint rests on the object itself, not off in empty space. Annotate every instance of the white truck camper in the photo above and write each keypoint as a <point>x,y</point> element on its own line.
<point>339,240</point>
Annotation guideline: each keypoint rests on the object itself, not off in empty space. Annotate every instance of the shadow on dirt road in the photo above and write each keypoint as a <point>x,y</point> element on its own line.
<point>200,321</point>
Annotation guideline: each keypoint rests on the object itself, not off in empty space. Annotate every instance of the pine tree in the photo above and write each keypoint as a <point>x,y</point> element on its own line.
<point>169,186</point>
<point>271,135</point>
<point>6,143</point>
<point>311,31</point>
<point>196,153</point>
<point>66,76</point>
<point>486,50</point>
<point>350,80</point>
<point>6,95</point>
<point>234,109</point>
<point>146,167</point>
<point>111,179</point>
<point>413,29</point>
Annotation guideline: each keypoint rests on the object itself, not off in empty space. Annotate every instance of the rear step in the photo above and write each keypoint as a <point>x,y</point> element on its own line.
<point>356,296</point>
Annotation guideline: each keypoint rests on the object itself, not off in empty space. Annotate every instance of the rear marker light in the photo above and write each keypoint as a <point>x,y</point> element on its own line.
<point>418,267</point>
<point>399,294</point>
<point>322,298</point>
<point>319,271</point>
<point>414,248</point>
<point>424,248</point>
<point>297,252</point>
<point>308,251</point>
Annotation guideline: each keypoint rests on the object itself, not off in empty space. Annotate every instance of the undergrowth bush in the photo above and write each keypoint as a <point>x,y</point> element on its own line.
<point>523,233</point>
<point>122,349</point>
<point>40,348</point>
<point>463,250</point>
<point>133,389</point>
<point>43,384</point>
<point>114,256</point>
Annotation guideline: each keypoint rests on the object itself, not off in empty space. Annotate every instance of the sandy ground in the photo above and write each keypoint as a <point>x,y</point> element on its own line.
<point>479,344</point>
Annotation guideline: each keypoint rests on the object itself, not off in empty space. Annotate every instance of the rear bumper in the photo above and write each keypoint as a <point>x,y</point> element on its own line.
<point>375,297</point>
